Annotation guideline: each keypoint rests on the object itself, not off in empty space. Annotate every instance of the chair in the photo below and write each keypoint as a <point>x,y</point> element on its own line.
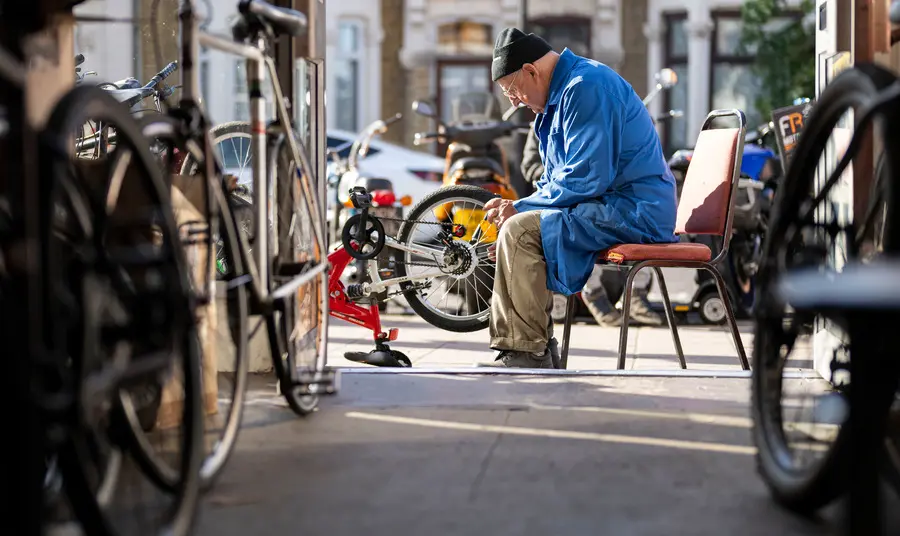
<point>706,207</point>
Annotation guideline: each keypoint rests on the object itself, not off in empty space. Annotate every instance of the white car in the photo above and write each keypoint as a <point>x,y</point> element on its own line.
<point>412,173</point>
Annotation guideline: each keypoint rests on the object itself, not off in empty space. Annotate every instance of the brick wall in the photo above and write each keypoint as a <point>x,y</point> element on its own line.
<point>393,75</point>
<point>634,65</point>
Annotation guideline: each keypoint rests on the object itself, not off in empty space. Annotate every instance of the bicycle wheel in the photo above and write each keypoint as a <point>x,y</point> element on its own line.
<point>232,142</point>
<point>465,276</point>
<point>298,326</point>
<point>224,310</point>
<point>803,460</point>
<point>118,321</point>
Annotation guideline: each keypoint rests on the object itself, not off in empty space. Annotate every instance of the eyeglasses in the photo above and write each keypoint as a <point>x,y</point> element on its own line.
<point>506,92</point>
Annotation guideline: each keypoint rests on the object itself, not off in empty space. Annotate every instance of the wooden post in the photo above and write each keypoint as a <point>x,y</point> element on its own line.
<point>864,30</point>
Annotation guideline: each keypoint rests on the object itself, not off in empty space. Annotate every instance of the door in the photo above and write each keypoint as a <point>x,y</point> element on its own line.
<point>831,30</point>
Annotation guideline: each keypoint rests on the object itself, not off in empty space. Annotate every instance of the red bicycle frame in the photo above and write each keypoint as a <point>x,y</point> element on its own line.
<point>340,306</point>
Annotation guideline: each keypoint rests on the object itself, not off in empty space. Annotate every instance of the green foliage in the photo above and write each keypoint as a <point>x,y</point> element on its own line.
<point>785,52</point>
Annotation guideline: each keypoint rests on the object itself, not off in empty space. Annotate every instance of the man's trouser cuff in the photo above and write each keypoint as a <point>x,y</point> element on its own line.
<point>503,343</point>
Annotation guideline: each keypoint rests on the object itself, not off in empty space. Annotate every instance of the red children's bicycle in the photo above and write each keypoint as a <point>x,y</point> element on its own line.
<point>441,269</point>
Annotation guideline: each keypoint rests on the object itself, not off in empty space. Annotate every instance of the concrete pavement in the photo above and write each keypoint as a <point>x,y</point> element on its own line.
<point>592,348</point>
<point>473,454</point>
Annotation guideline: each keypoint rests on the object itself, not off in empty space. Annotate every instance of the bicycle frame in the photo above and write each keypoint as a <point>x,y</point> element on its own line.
<point>258,63</point>
<point>256,269</point>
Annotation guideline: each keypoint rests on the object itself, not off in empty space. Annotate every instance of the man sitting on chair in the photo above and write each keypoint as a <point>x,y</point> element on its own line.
<point>605,182</point>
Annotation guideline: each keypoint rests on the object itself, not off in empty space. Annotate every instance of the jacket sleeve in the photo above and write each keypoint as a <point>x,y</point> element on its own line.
<point>591,137</point>
<point>532,168</point>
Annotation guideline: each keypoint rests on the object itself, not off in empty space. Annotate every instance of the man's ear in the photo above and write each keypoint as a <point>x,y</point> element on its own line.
<point>530,69</point>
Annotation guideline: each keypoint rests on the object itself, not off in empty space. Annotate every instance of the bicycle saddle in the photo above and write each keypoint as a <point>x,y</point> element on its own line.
<point>281,19</point>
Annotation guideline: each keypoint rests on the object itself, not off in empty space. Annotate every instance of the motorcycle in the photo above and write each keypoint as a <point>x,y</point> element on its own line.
<point>343,177</point>
<point>473,156</point>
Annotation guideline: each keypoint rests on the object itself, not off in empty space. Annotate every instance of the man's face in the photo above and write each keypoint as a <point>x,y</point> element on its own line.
<point>525,86</point>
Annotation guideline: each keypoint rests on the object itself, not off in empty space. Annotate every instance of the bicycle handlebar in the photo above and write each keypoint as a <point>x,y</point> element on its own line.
<point>391,121</point>
<point>162,75</point>
<point>425,137</point>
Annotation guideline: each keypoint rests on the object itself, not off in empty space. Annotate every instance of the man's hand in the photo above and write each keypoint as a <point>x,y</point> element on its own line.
<point>498,211</point>
<point>492,252</point>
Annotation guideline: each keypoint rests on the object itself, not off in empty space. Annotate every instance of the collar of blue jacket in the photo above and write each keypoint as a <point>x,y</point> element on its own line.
<point>560,76</point>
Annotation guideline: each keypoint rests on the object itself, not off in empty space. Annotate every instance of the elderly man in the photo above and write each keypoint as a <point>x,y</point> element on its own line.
<point>605,182</point>
<point>605,287</point>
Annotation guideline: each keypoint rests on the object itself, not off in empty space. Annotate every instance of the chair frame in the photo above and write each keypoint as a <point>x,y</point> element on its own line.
<point>710,266</point>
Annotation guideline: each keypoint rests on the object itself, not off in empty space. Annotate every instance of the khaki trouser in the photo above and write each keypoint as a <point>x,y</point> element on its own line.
<point>521,305</point>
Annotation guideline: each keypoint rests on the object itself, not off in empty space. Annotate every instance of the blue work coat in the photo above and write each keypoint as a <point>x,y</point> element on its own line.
<point>605,178</point>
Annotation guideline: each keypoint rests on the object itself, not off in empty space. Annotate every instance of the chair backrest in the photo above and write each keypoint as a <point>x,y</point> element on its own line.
<point>708,193</point>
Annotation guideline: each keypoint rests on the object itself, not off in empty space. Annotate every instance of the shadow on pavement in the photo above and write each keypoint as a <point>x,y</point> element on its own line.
<point>515,455</point>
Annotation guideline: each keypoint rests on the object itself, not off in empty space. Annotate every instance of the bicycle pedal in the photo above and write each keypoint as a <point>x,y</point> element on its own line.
<point>325,382</point>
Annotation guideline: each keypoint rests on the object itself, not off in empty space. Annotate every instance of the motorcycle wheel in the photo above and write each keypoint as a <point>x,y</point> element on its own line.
<point>712,308</point>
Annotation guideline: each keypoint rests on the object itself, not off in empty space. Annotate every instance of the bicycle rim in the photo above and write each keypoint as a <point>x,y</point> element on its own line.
<point>224,386</point>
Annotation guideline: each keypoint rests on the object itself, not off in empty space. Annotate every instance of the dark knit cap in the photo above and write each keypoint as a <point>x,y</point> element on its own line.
<point>513,49</point>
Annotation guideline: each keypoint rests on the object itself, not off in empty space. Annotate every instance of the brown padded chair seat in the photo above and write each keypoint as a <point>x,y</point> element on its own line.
<point>678,251</point>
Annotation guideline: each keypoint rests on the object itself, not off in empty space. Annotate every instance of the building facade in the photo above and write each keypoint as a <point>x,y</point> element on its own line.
<point>700,39</point>
<point>381,55</point>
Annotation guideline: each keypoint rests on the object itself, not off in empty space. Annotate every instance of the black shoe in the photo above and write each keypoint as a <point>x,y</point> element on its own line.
<point>514,359</point>
<point>553,348</point>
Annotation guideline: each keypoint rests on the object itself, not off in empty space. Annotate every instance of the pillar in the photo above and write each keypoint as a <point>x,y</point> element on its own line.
<point>699,30</point>
<point>655,33</point>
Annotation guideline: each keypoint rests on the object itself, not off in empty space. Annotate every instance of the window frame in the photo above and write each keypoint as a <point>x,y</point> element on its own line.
<point>357,56</point>
<point>715,58</point>
<point>671,60</point>
<point>474,61</point>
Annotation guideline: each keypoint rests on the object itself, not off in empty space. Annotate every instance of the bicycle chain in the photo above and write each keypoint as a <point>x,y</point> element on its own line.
<point>403,220</point>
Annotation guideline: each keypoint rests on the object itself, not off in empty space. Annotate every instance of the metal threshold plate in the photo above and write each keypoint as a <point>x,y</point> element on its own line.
<point>674,373</point>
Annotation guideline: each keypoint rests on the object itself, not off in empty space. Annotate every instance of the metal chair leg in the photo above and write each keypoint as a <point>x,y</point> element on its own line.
<point>729,315</point>
<point>626,314</point>
<point>567,331</point>
<point>670,316</point>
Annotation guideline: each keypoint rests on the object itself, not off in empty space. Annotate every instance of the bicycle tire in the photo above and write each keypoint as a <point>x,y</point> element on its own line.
<point>413,297</point>
<point>216,133</point>
<point>73,109</point>
<point>293,241</point>
<point>167,129</point>
<point>802,491</point>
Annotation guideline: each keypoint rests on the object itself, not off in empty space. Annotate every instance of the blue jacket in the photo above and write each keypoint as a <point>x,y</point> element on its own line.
<point>605,178</point>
